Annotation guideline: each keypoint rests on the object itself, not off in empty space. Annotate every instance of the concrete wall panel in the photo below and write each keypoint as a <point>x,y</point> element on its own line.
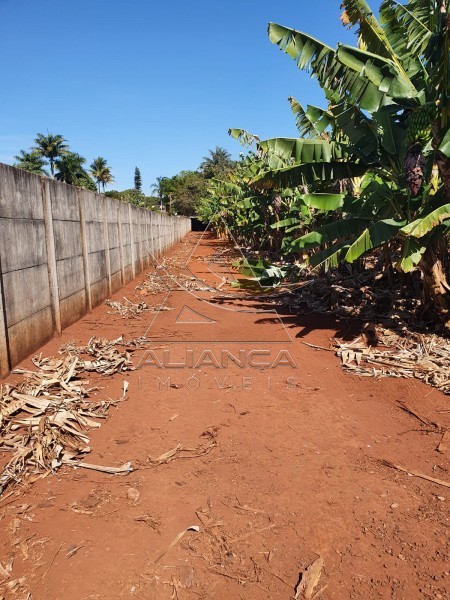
<point>27,335</point>
<point>116,282</point>
<point>67,239</point>
<point>114,256</point>
<point>97,266</point>
<point>99,292</point>
<point>95,236</point>
<point>20,194</point>
<point>70,276</point>
<point>73,308</point>
<point>26,292</point>
<point>113,232</point>
<point>64,199</point>
<point>22,244</point>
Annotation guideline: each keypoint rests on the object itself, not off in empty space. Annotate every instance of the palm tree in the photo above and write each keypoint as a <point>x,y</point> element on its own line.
<point>51,147</point>
<point>158,188</point>
<point>31,161</point>
<point>101,172</point>
<point>70,168</point>
<point>218,162</point>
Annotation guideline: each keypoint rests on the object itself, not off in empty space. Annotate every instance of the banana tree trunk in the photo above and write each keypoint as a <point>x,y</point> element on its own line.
<point>436,288</point>
<point>443,163</point>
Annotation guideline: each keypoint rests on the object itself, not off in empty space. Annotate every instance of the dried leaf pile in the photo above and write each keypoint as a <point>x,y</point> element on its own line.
<point>358,295</point>
<point>107,359</point>
<point>127,310</point>
<point>171,274</point>
<point>424,357</point>
<point>44,418</point>
<point>166,279</point>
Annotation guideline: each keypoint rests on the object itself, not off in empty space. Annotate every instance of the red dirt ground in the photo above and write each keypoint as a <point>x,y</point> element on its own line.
<point>295,474</point>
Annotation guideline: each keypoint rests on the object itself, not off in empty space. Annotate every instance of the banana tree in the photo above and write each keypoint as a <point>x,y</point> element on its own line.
<point>387,115</point>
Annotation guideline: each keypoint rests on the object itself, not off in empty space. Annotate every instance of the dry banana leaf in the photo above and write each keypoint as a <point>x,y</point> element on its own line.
<point>419,356</point>
<point>46,417</point>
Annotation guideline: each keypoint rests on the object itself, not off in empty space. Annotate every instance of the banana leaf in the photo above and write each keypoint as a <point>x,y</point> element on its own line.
<point>422,226</point>
<point>375,235</point>
<point>360,131</point>
<point>369,80</point>
<point>330,257</point>
<point>285,223</point>
<point>308,174</point>
<point>393,132</point>
<point>385,75</point>
<point>300,150</point>
<point>331,232</point>
<point>412,253</point>
<point>445,144</point>
<point>407,27</point>
<point>313,121</point>
<point>244,137</point>
<point>371,35</point>
<point>324,201</point>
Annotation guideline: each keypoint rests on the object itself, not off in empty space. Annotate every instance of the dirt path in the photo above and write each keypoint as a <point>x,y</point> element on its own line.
<point>279,465</point>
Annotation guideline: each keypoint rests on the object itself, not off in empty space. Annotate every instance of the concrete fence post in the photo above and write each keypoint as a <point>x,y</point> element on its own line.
<point>141,256</point>
<point>5,363</point>
<point>151,246</point>
<point>51,256</point>
<point>119,221</point>
<point>85,251</point>
<point>133,249</point>
<point>107,251</point>
<point>160,241</point>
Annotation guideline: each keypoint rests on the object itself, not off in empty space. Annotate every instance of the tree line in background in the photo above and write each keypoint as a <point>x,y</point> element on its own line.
<point>370,172</point>
<point>67,166</point>
<point>180,194</point>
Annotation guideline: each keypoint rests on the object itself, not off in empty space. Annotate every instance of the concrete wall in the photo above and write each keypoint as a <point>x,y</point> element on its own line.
<point>63,250</point>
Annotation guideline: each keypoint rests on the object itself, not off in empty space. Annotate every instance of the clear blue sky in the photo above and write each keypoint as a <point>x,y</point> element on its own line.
<point>150,83</point>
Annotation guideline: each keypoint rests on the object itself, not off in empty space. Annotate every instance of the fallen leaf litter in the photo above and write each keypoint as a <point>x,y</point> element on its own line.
<point>45,416</point>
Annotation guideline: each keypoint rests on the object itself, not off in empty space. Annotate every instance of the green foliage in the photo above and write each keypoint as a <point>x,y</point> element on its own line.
<point>70,168</point>
<point>133,196</point>
<point>137,180</point>
<point>86,182</point>
<point>217,164</point>
<point>426,223</point>
<point>51,147</point>
<point>184,192</point>
<point>159,189</point>
<point>69,165</point>
<point>313,121</point>
<point>32,162</point>
<point>375,235</point>
<point>101,172</point>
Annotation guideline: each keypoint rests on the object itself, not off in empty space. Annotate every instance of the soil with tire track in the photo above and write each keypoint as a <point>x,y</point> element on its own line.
<point>275,463</point>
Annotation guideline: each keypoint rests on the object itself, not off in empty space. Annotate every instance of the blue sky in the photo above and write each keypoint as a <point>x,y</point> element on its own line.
<point>149,83</point>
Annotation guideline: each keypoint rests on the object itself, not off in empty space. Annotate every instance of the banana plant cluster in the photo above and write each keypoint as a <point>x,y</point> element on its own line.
<point>387,106</point>
<point>251,216</point>
<point>383,129</point>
